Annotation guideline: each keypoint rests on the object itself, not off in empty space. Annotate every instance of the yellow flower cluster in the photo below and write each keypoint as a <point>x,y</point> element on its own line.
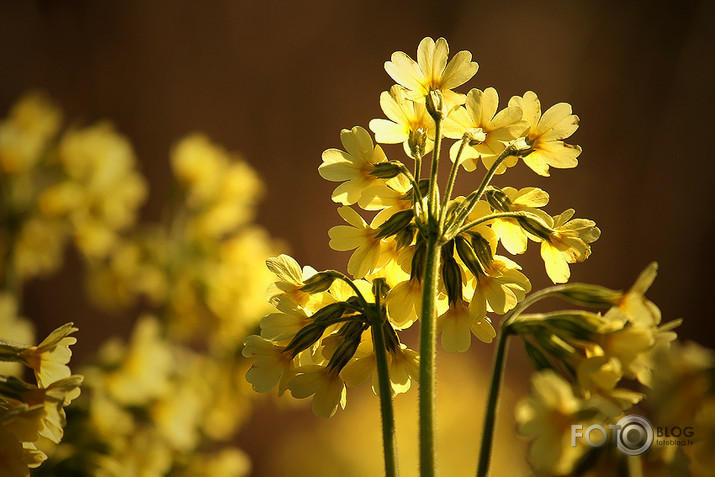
<point>55,188</point>
<point>150,402</point>
<point>475,280</point>
<point>159,404</point>
<point>93,161</point>
<point>598,352</point>
<point>316,343</point>
<point>33,415</point>
<point>204,264</point>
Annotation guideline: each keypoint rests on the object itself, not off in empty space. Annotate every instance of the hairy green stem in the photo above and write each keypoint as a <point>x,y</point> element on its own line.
<point>498,374</point>
<point>428,332</point>
<point>450,183</point>
<point>433,186</point>
<point>389,441</point>
<point>487,218</point>
<point>492,401</point>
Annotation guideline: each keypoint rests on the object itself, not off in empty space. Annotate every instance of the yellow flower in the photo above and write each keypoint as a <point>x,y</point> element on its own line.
<point>511,234</point>
<point>547,416</point>
<point>49,359</point>
<point>96,160</point>
<point>431,72</point>
<point>458,324</point>
<point>141,371</point>
<point>271,367</point>
<point>16,458</point>
<point>352,166</point>
<point>358,236</point>
<point>546,134</point>
<point>15,329</point>
<point>488,129</point>
<point>500,288</point>
<point>291,278</point>
<point>326,387</point>
<point>567,244</point>
<point>404,303</point>
<point>24,135</point>
<point>284,324</point>
<point>38,247</point>
<point>405,120</point>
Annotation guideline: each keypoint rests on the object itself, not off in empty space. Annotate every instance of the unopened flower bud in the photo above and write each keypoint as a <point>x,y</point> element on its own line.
<point>305,338</point>
<point>498,199</point>
<point>468,255</point>
<point>398,222</point>
<point>435,104</point>
<point>318,283</point>
<point>591,295</point>
<point>535,227</point>
<point>386,170</point>
<point>329,312</point>
<point>483,250</point>
<point>417,142</point>
<point>452,276</point>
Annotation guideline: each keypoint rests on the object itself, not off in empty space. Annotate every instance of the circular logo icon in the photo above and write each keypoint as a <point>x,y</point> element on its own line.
<point>635,435</point>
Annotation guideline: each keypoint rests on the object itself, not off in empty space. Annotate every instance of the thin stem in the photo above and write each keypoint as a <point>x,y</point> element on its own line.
<point>498,374</point>
<point>418,167</point>
<point>474,197</point>
<point>427,357</point>
<point>492,401</point>
<point>433,189</point>
<point>347,280</point>
<point>487,218</point>
<point>389,441</point>
<point>450,183</point>
<point>413,182</point>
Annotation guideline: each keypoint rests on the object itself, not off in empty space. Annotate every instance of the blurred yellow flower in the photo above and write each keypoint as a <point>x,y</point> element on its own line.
<point>24,135</point>
<point>95,160</point>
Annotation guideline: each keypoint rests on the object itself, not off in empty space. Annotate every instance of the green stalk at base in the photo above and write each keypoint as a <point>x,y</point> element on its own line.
<point>428,334</point>
<point>386,412</point>
<point>492,402</point>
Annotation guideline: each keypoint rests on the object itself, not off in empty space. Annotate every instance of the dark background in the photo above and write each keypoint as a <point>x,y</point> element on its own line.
<point>278,80</point>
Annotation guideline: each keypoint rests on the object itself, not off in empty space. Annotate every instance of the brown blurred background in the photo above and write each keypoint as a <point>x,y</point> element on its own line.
<point>278,80</point>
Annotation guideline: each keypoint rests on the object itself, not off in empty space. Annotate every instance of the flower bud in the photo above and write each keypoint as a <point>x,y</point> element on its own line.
<point>483,249</point>
<point>386,170</point>
<point>318,283</point>
<point>535,227</point>
<point>591,295</point>
<point>398,222</point>
<point>498,199</point>
<point>417,142</point>
<point>435,104</point>
<point>305,338</point>
<point>467,254</point>
<point>452,276</point>
<point>330,312</point>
